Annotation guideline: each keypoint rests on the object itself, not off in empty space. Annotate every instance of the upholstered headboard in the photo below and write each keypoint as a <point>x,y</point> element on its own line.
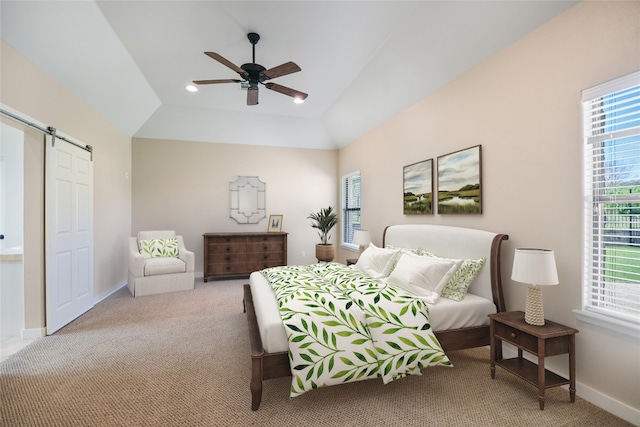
<point>459,243</point>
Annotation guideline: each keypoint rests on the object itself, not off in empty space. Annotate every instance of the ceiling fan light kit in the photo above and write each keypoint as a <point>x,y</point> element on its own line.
<point>253,74</point>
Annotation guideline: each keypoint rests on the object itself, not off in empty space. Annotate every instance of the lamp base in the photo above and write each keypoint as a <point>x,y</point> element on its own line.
<point>534,311</point>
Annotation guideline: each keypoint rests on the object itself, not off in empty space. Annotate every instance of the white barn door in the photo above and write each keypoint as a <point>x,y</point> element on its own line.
<point>68,232</point>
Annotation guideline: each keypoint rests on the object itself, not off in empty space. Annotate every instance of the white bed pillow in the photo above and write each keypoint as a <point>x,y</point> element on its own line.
<point>423,276</point>
<point>376,262</point>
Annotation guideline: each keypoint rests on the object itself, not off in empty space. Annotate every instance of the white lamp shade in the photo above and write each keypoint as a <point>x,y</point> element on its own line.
<point>534,266</point>
<point>361,237</point>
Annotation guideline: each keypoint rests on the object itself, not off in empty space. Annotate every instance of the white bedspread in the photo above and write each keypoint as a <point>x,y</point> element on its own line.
<point>445,314</point>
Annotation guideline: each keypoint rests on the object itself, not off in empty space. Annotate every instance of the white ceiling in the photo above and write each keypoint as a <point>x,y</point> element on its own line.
<point>362,61</point>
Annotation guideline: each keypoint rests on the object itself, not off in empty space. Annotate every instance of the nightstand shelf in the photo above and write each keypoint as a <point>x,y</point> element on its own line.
<point>548,340</point>
<point>528,371</point>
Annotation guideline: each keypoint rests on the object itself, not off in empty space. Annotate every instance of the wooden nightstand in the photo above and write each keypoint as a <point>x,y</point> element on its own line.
<point>548,340</point>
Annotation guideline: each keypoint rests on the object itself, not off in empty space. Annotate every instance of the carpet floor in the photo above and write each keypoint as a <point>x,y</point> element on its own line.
<point>182,359</point>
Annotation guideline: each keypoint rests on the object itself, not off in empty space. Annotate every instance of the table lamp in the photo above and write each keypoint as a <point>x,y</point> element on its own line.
<point>362,238</point>
<point>534,267</point>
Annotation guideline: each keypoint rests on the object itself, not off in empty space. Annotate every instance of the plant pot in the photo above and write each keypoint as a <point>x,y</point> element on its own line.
<point>324,253</point>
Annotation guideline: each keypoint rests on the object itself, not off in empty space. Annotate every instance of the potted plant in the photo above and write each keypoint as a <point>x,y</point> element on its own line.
<point>324,221</point>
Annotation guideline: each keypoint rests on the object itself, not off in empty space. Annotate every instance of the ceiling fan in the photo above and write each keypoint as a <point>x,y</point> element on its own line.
<point>255,74</point>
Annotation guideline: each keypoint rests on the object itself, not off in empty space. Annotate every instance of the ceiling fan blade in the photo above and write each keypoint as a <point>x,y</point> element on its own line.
<point>211,82</point>
<point>252,95</point>
<point>225,62</point>
<point>281,70</point>
<point>286,91</point>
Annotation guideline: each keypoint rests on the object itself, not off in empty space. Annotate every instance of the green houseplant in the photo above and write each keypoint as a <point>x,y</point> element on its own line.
<point>324,220</point>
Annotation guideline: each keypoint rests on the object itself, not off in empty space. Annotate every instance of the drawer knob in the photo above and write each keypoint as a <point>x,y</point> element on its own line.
<point>513,334</point>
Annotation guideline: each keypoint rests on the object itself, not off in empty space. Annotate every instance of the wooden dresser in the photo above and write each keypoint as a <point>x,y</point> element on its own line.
<point>240,254</point>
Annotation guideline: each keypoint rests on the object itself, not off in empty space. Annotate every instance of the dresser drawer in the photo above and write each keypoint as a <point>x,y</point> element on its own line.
<point>227,247</point>
<point>516,337</point>
<point>267,259</point>
<point>225,268</point>
<point>263,247</point>
<point>228,258</point>
<point>265,244</point>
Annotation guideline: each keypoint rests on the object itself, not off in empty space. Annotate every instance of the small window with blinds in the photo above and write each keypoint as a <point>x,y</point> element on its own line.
<point>611,279</point>
<point>350,207</point>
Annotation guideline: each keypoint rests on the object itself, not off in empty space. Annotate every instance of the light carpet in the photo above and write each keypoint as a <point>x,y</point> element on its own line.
<point>182,359</point>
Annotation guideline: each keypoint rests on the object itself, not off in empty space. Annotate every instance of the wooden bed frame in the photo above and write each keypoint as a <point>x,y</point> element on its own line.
<point>265,366</point>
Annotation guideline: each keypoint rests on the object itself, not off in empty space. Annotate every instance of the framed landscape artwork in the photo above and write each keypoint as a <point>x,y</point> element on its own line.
<point>459,182</point>
<point>418,188</point>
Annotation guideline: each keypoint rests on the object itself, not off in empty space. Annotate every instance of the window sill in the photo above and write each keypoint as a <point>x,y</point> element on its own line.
<point>350,246</point>
<point>620,326</point>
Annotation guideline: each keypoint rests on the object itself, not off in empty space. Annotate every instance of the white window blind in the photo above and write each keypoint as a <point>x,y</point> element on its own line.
<point>350,206</point>
<point>611,279</point>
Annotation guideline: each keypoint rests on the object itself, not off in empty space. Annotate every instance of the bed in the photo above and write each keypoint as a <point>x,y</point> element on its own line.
<point>468,327</point>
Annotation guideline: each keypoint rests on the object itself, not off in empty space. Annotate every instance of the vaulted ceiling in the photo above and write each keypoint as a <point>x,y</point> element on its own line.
<point>362,61</point>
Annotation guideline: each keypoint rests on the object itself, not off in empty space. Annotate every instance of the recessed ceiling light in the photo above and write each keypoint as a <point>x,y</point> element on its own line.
<point>298,100</point>
<point>191,88</point>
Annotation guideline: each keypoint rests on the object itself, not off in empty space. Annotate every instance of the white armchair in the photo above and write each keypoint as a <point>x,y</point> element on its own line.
<point>154,267</point>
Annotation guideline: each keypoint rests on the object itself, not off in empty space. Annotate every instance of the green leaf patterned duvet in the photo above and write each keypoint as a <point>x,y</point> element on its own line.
<point>343,326</point>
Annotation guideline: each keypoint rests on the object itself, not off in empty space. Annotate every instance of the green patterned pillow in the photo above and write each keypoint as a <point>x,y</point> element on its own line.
<point>459,284</point>
<point>159,248</point>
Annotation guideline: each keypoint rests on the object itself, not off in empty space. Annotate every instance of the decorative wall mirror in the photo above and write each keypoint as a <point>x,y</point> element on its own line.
<point>247,200</point>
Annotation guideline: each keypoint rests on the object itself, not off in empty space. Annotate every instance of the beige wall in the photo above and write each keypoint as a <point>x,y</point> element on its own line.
<point>25,88</point>
<point>523,106</point>
<point>184,186</point>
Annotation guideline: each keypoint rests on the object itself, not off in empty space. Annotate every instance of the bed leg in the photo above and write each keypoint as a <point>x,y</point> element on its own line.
<point>244,299</point>
<point>256,382</point>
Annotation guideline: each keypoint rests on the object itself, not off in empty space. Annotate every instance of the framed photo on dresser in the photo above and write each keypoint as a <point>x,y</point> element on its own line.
<point>275,223</point>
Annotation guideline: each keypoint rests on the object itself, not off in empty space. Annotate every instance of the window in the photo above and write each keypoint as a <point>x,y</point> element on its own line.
<point>611,277</point>
<point>350,207</point>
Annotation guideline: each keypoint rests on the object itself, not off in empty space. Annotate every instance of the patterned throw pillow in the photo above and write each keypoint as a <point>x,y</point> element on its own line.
<point>159,248</point>
<point>459,284</point>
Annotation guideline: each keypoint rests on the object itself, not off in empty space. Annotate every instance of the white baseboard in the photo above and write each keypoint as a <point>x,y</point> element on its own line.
<point>591,395</point>
<point>113,290</point>
<point>33,333</point>
<point>609,404</point>
<point>42,332</point>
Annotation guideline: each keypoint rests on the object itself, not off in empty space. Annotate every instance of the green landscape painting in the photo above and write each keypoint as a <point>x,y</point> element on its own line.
<point>418,188</point>
<point>459,182</point>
